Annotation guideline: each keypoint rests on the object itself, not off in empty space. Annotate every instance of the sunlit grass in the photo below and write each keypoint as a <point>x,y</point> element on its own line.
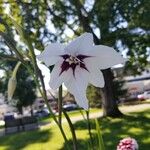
<point>135,125</point>
<point>71,114</point>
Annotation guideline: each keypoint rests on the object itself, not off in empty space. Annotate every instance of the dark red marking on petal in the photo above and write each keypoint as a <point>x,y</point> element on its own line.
<point>82,65</point>
<point>65,56</point>
<point>64,67</point>
<point>73,66</point>
<point>81,57</point>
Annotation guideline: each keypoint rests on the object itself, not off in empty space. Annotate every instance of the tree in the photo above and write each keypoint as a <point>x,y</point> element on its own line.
<point>120,24</point>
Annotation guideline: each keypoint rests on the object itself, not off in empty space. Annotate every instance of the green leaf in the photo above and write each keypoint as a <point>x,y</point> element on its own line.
<point>2,27</point>
<point>99,136</point>
<point>10,43</point>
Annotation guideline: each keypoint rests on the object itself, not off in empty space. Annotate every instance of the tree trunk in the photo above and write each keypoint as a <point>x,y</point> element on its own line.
<point>109,104</point>
<point>31,110</point>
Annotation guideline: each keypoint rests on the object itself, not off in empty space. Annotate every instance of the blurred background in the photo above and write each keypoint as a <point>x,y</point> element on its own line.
<point>123,25</point>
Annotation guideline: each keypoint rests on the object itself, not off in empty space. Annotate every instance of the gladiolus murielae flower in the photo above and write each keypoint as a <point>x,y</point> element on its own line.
<point>13,82</point>
<point>78,64</point>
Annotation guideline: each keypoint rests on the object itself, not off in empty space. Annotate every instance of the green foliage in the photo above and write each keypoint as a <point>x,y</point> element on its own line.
<point>94,96</point>
<point>24,94</point>
<point>99,136</point>
<point>118,89</point>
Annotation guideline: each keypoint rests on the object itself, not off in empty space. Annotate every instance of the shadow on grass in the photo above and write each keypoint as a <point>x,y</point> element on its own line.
<point>24,139</point>
<point>137,125</point>
<point>81,145</point>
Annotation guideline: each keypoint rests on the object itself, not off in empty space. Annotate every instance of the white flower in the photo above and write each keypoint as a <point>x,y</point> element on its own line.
<point>78,64</point>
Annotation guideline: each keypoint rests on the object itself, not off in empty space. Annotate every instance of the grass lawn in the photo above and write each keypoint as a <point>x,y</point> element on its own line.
<point>71,114</point>
<point>136,125</point>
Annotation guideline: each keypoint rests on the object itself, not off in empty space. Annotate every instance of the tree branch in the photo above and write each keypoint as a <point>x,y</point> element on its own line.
<point>8,57</point>
<point>60,18</point>
<point>84,20</point>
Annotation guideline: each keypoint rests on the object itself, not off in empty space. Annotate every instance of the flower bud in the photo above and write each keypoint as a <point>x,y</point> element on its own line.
<point>11,87</point>
<point>12,83</point>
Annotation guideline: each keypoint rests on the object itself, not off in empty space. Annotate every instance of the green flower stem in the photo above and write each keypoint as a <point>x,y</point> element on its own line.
<point>82,113</point>
<point>72,130</point>
<point>11,45</point>
<point>16,69</point>
<point>99,136</point>
<point>89,128</point>
<point>35,78</point>
<point>67,118</point>
<point>9,57</point>
<point>60,104</point>
<point>86,118</point>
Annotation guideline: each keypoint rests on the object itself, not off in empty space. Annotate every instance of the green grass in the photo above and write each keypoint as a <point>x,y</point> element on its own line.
<point>71,114</point>
<point>135,125</point>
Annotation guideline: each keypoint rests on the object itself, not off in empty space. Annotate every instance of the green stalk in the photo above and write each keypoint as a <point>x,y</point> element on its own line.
<point>72,130</point>
<point>67,118</point>
<point>99,136</point>
<point>83,115</point>
<point>60,104</point>
<point>11,45</point>
<point>89,128</point>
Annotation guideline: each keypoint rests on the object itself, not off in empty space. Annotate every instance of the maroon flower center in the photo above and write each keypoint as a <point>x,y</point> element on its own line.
<point>72,62</point>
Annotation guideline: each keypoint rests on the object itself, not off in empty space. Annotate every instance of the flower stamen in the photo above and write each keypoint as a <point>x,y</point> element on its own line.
<point>72,62</point>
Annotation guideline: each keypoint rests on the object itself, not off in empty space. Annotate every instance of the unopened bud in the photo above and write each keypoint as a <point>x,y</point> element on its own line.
<point>12,83</point>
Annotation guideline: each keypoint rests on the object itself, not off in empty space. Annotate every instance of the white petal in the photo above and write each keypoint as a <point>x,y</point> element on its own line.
<point>80,95</point>
<point>81,43</point>
<point>77,86</point>
<point>95,75</point>
<point>56,79</point>
<point>96,78</point>
<point>51,54</point>
<point>104,57</point>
